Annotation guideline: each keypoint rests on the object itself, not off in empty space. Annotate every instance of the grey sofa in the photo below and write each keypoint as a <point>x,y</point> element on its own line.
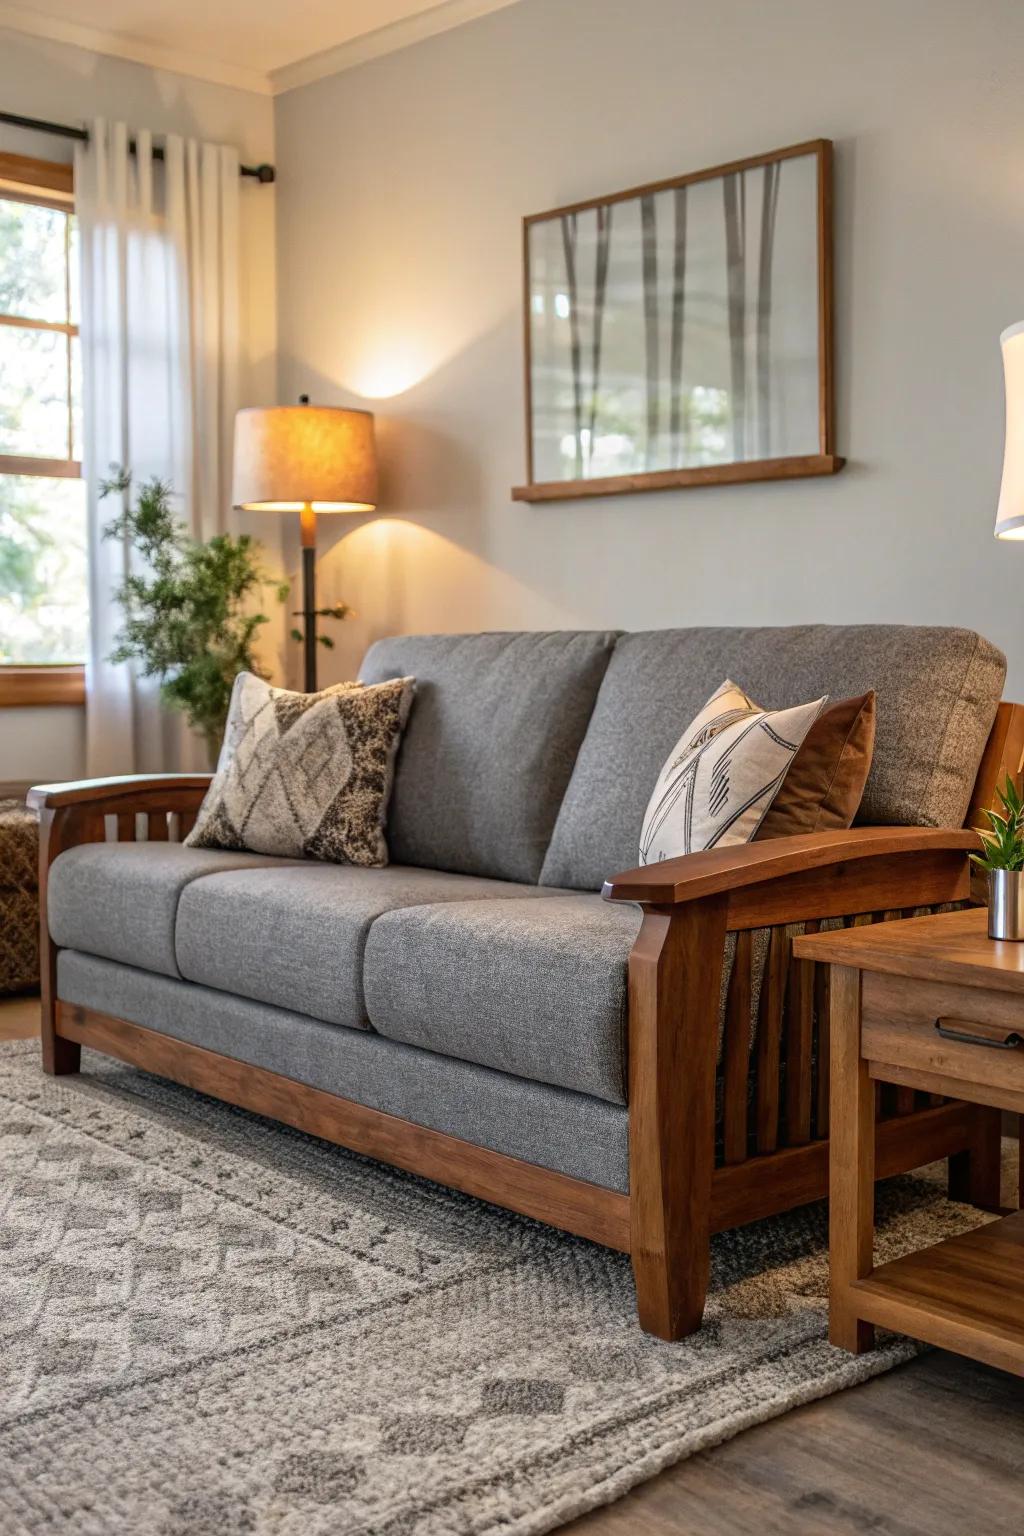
<point>476,1011</point>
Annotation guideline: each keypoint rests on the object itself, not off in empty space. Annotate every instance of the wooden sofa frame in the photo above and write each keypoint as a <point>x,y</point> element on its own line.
<point>771,1149</point>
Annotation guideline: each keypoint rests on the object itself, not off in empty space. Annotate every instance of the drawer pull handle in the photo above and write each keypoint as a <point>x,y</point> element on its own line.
<point>964,1037</point>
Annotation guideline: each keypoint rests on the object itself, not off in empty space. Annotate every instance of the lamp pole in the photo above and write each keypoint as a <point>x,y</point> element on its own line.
<point>307,527</point>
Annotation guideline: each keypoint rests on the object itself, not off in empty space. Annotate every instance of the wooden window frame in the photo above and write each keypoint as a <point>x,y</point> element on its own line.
<point>40,684</point>
<point>50,185</point>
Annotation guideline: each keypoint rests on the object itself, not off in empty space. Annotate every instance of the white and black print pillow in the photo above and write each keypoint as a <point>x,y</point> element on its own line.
<point>722,774</point>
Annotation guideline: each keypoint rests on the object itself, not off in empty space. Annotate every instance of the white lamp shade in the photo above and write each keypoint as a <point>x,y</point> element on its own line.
<point>292,456</point>
<point>1010,516</point>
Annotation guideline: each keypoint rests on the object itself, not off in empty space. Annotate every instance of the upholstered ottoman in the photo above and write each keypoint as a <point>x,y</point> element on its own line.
<point>19,897</point>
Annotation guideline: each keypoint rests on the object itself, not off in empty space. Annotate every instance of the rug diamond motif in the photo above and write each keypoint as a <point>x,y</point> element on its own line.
<point>302,1341</point>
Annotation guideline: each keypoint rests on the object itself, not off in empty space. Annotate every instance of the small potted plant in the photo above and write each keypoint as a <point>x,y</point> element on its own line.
<point>1002,860</point>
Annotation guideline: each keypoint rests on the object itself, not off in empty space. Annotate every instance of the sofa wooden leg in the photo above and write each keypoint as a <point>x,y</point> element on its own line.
<point>58,829</point>
<point>675,974</point>
<point>975,1175</point>
<point>60,1057</point>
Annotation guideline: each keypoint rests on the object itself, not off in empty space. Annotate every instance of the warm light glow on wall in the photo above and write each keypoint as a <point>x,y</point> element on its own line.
<point>388,374</point>
<point>400,577</point>
<point>389,351</point>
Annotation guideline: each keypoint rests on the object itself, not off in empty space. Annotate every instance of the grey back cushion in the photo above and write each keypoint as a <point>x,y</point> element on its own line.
<point>937,695</point>
<point>490,744</point>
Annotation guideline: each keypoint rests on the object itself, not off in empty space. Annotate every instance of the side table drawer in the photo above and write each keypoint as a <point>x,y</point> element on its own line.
<point>899,1018</point>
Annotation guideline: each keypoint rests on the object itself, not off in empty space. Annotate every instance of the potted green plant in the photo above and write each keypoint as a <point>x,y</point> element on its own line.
<point>189,610</point>
<point>1002,859</point>
<point>189,614</point>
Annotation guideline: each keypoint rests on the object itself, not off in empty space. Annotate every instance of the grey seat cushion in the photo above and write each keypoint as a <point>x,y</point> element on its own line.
<point>294,937</point>
<point>120,900</point>
<point>937,695</point>
<point>534,988</point>
<point>490,744</point>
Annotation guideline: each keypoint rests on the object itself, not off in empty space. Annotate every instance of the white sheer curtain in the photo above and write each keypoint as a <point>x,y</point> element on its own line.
<point>159,325</point>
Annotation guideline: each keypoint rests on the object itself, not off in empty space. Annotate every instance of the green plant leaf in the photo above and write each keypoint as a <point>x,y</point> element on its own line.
<point>189,609</point>
<point>1003,842</point>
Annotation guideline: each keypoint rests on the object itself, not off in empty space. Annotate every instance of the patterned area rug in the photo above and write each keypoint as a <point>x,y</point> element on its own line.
<point>214,1326</point>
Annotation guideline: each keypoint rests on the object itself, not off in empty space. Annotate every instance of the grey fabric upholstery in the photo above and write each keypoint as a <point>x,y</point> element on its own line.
<point>569,1132</point>
<point>533,988</point>
<point>490,744</point>
<point>294,937</point>
<point>937,695</point>
<point>121,899</point>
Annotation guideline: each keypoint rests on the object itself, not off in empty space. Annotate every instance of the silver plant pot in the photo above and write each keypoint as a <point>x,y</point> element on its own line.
<point>1005,904</point>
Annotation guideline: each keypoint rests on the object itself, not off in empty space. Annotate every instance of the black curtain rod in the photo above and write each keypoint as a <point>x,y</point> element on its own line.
<point>264,173</point>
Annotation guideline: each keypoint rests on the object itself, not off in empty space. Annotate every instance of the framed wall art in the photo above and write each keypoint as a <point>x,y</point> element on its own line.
<point>680,333</point>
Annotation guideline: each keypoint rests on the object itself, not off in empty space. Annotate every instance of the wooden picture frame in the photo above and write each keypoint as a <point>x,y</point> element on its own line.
<point>795,437</point>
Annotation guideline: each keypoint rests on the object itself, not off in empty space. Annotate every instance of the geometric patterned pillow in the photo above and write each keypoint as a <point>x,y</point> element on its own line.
<point>306,774</point>
<point>722,774</point>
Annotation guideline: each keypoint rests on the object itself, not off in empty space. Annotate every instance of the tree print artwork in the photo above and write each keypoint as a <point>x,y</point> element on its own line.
<point>680,333</point>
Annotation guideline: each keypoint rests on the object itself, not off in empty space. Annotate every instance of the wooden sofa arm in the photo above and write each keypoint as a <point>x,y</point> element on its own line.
<point>76,812</point>
<point>137,789</point>
<point>816,875</point>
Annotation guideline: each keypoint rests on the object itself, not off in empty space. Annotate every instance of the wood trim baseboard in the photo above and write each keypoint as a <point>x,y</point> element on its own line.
<point>32,687</point>
<point>553,1198</point>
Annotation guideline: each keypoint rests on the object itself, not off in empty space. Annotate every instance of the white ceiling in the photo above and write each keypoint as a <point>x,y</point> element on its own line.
<point>260,45</point>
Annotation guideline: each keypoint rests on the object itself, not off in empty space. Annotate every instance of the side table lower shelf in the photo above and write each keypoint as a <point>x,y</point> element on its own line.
<point>965,1294</point>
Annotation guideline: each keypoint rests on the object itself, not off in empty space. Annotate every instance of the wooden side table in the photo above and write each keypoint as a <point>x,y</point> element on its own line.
<point>929,1004</point>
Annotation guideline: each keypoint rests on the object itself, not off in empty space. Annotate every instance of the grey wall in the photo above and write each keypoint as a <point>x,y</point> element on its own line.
<point>71,85</point>
<point>402,183</point>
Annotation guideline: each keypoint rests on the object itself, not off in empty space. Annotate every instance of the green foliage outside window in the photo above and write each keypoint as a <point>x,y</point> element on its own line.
<point>43,563</point>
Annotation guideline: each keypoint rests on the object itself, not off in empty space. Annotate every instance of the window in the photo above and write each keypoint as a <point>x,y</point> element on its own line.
<point>43,568</point>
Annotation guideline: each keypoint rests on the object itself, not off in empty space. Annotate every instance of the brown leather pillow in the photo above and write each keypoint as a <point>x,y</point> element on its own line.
<point>823,788</point>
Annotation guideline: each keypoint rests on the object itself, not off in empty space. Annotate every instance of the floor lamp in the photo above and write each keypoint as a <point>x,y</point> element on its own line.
<point>307,459</point>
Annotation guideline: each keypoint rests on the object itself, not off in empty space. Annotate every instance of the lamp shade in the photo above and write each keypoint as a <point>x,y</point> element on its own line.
<point>1010,516</point>
<point>288,457</point>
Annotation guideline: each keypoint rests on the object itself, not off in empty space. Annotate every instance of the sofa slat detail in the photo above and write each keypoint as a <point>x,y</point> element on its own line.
<point>799,1046</point>
<point>769,1041</point>
<point>736,1052</point>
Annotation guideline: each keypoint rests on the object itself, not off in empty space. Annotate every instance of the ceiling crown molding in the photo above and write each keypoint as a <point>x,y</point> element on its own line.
<point>387,39</point>
<point>17,19</point>
<point>440,17</point>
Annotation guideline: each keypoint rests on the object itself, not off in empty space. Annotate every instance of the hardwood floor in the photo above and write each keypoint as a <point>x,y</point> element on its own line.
<point>932,1449</point>
<point>19,1017</point>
